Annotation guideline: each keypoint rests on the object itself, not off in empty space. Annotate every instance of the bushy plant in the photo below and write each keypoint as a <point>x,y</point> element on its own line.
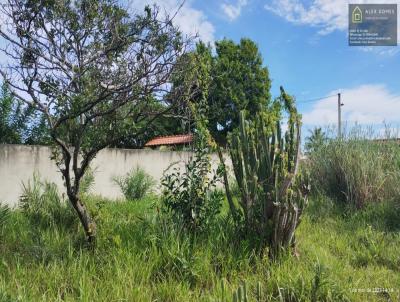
<point>41,203</point>
<point>191,196</point>
<point>135,184</point>
<point>356,169</point>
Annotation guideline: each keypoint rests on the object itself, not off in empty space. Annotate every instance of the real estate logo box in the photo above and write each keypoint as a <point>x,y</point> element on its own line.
<point>373,24</point>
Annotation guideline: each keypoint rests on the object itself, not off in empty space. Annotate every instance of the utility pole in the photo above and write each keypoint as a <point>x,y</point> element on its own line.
<point>340,104</point>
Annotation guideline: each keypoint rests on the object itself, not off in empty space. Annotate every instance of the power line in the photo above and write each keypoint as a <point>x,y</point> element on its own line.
<point>340,104</point>
<point>316,99</point>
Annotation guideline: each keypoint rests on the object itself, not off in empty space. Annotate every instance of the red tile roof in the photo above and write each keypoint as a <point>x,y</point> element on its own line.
<point>170,140</point>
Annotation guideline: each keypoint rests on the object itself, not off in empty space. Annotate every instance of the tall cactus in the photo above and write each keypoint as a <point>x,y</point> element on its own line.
<point>265,164</point>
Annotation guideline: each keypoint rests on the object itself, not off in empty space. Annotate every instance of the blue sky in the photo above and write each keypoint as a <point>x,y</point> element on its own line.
<point>304,45</point>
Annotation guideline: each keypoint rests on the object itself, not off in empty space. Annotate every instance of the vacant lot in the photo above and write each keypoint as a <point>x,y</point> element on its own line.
<point>141,257</point>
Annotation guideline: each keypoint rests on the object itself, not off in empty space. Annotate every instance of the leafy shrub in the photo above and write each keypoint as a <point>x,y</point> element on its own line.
<point>41,203</point>
<point>191,196</point>
<point>135,184</point>
<point>356,169</point>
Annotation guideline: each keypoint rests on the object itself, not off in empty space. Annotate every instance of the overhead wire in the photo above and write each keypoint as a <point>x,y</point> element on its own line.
<point>315,99</point>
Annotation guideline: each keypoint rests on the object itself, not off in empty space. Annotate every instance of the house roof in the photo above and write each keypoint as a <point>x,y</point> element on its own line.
<point>170,140</point>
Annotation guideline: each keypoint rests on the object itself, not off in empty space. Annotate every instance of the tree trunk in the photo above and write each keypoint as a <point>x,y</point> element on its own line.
<point>88,224</point>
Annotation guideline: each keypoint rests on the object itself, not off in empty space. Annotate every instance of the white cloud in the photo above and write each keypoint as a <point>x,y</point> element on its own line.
<point>191,21</point>
<point>365,104</point>
<point>233,11</point>
<point>327,15</point>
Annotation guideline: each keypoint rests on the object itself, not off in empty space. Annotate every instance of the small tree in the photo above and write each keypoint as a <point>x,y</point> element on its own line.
<point>92,70</point>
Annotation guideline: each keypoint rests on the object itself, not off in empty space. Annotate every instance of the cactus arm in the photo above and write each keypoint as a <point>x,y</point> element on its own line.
<point>292,173</point>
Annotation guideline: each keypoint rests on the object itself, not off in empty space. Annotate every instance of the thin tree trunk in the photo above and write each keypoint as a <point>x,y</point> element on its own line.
<point>86,220</point>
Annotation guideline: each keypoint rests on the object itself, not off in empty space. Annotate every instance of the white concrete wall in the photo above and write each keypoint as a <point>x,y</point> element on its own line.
<point>19,162</point>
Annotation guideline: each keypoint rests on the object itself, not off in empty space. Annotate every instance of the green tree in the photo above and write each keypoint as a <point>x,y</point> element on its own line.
<point>92,70</point>
<point>239,82</point>
<point>13,118</point>
<point>38,132</point>
<point>19,123</point>
<point>234,79</point>
<point>315,140</point>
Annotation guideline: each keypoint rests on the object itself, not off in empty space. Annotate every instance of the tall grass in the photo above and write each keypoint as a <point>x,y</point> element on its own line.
<point>42,204</point>
<point>357,168</point>
<point>141,256</point>
<point>4,215</point>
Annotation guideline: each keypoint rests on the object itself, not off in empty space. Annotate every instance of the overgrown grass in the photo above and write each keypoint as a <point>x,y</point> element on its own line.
<point>4,215</point>
<point>357,169</point>
<point>140,256</point>
<point>42,204</point>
